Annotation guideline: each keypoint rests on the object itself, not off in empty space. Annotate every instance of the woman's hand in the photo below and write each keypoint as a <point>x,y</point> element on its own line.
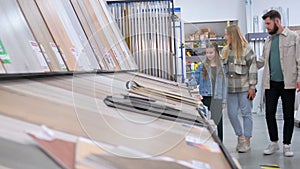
<point>223,106</point>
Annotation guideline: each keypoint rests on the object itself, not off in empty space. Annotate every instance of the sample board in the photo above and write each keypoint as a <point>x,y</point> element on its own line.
<point>42,34</point>
<point>22,53</point>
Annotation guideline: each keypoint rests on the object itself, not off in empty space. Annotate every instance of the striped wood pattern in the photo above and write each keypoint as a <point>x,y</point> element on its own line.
<point>82,51</point>
<point>53,107</point>
<point>99,35</point>
<point>58,32</point>
<point>16,37</point>
<point>89,34</point>
<point>41,32</point>
<point>117,38</point>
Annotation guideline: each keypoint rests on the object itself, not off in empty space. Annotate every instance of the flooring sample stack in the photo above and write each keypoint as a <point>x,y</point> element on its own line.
<point>146,27</point>
<point>19,42</point>
<point>104,36</point>
<point>74,37</point>
<point>59,33</point>
<point>42,34</point>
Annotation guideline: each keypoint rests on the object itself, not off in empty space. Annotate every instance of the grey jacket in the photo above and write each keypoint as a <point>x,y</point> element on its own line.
<point>289,48</point>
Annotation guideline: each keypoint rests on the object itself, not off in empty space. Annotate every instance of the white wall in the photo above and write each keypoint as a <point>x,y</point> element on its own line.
<point>213,10</point>
<point>258,6</point>
<point>220,10</point>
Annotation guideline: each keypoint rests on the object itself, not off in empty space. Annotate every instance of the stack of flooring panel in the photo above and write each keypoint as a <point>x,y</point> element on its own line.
<point>59,36</point>
<point>18,44</point>
<point>75,105</point>
<point>104,35</point>
<point>147,29</point>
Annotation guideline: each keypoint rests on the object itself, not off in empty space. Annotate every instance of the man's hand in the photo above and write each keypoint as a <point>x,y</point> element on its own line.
<point>251,94</point>
<point>298,87</point>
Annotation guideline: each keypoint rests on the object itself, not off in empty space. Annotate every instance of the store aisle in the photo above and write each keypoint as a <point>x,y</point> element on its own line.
<point>255,157</point>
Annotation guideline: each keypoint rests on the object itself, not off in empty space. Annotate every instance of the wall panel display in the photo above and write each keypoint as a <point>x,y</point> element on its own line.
<point>98,34</point>
<point>59,33</point>
<point>116,34</point>
<point>146,27</point>
<point>19,42</point>
<point>82,50</point>
<point>42,34</point>
<point>93,40</point>
<point>115,53</point>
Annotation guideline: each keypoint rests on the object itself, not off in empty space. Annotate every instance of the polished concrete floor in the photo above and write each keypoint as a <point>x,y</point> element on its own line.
<point>255,158</point>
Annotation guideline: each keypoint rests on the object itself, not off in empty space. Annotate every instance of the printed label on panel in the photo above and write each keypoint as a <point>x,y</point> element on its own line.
<point>57,54</point>
<point>38,53</point>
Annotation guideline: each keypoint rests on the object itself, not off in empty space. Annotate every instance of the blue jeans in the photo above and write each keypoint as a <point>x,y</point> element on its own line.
<point>236,102</point>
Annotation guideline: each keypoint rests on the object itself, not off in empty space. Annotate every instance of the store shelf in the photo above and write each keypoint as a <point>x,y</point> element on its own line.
<point>260,36</point>
<point>210,39</point>
<point>198,58</point>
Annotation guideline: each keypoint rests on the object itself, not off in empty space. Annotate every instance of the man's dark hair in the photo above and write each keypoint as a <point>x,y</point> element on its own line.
<point>272,14</point>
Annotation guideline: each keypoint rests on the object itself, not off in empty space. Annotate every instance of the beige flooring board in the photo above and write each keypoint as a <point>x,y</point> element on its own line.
<point>2,68</point>
<point>35,102</point>
<point>16,37</point>
<point>41,32</point>
<point>99,34</point>
<point>111,35</point>
<point>90,35</point>
<point>59,33</point>
<point>84,55</point>
<point>85,147</point>
<point>117,36</point>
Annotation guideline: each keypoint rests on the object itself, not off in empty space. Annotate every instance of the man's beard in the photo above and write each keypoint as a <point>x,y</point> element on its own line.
<point>274,30</point>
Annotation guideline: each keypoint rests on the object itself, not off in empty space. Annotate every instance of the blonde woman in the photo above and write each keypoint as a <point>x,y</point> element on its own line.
<point>239,60</point>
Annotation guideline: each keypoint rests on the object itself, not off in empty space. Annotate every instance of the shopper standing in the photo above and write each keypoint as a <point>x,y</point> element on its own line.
<point>281,61</point>
<point>240,63</point>
<point>211,78</point>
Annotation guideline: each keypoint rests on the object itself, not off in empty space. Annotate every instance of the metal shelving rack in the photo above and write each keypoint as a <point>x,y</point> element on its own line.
<point>153,45</point>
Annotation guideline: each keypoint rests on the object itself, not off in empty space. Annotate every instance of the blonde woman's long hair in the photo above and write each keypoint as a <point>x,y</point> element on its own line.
<point>238,42</point>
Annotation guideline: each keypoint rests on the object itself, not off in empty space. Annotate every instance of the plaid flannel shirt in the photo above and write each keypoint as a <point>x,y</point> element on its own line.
<point>241,75</point>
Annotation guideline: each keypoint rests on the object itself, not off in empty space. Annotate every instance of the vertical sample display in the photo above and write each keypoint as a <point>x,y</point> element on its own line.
<point>42,34</point>
<point>97,34</point>
<point>81,50</point>
<point>59,33</point>
<point>16,37</point>
<point>147,29</point>
<point>104,34</point>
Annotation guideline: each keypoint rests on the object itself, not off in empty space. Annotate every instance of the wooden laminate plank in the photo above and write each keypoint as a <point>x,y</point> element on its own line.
<point>117,36</point>
<point>110,34</point>
<point>59,33</point>
<point>89,34</point>
<point>43,104</point>
<point>42,34</point>
<point>62,151</point>
<point>2,68</point>
<point>17,39</point>
<point>82,50</point>
<point>98,34</point>
<point>85,147</point>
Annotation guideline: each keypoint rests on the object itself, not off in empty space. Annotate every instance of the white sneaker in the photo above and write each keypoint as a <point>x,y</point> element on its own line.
<point>287,151</point>
<point>244,148</point>
<point>272,148</point>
